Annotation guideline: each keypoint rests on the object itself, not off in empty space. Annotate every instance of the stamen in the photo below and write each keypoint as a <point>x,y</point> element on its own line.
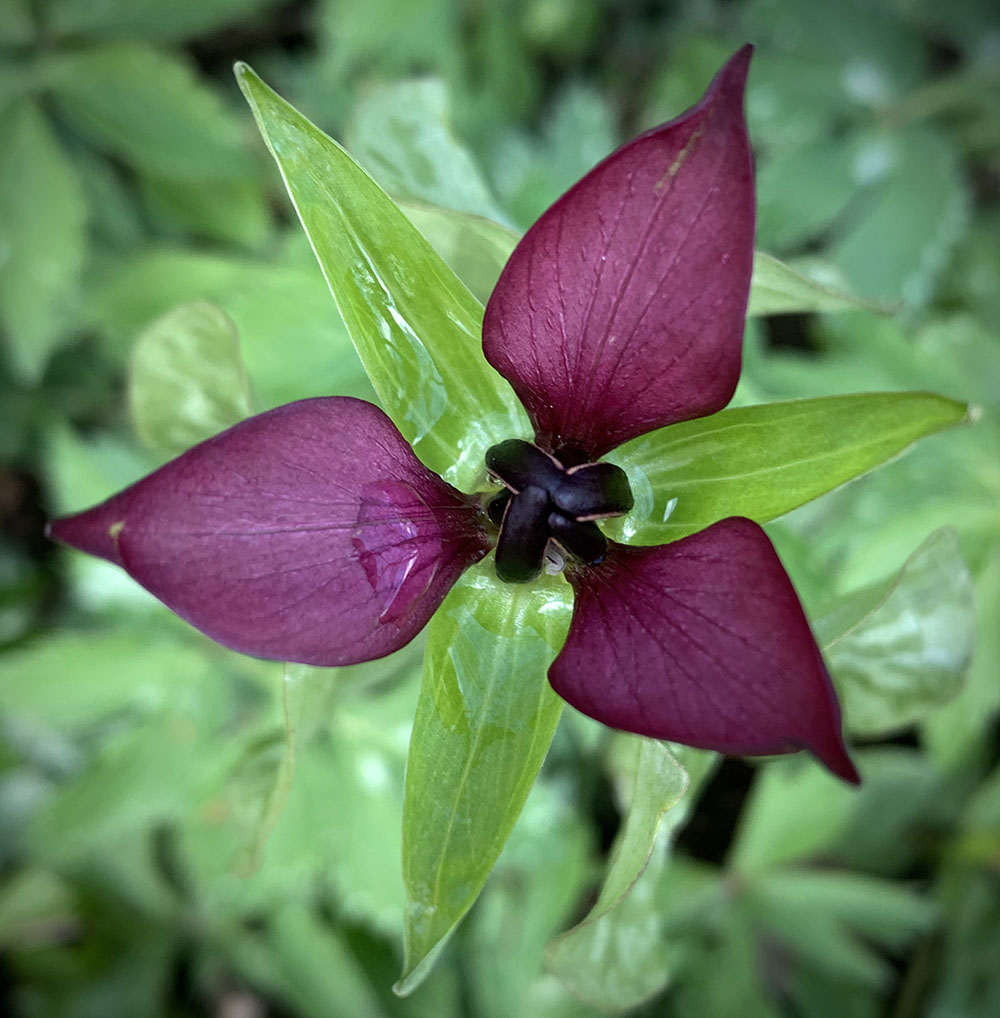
<point>546,512</point>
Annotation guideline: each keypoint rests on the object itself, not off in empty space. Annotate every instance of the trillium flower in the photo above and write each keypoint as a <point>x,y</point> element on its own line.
<point>313,533</point>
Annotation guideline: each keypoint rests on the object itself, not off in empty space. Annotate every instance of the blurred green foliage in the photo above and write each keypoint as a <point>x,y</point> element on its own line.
<point>185,831</point>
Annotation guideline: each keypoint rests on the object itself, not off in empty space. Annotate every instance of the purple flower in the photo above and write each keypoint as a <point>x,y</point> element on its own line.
<point>312,533</point>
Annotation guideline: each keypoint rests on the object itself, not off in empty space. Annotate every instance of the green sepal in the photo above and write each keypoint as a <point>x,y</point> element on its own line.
<point>763,461</point>
<point>779,289</point>
<point>483,724</point>
<point>416,327</point>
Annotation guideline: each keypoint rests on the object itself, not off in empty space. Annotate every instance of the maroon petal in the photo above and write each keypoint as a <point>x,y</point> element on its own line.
<point>310,533</point>
<point>703,642</point>
<point>622,309</point>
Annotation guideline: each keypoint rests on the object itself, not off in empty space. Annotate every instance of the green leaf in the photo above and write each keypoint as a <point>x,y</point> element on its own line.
<point>416,327</point>
<point>762,461</point>
<point>149,773</point>
<point>151,19</point>
<point>794,102</point>
<point>799,193</point>
<point>794,811</point>
<point>231,211</point>
<point>722,972</point>
<point>359,767</point>
<point>393,37</point>
<point>402,134</point>
<point>186,379</point>
<point>906,228</point>
<point>909,648</point>
<point>856,40</point>
<point>328,775</point>
<point>542,874</point>
<point>615,957</point>
<point>130,294</point>
<point>484,721</point>
<point>778,289</point>
<point>16,23</point>
<point>902,797</point>
<point>304,961</point>
<point>829,919</point>
<point>73,680</point>
<point>150,109</point>
<point>965,723</point>
<point>28,898</point>
<point>42,220</point>
<point>294,342</point>
<point>531,172</point>
<point>117,223</point>
<point>475,249</point>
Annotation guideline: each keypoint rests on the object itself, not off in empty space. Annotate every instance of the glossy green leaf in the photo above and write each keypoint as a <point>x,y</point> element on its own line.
<point>475,249</point>
<point>416,327</point>
<point>763,461</point>
<point>402,134</point>
<point>42,220</point>
<point>150,109</point>
<point>778,289</point>
<point>909,648</point>
<point>186,379</point>
<point>484,721</point>
<point>615,957</point>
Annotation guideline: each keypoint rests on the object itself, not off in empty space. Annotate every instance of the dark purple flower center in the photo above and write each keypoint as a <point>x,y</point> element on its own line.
<point>544,502</point>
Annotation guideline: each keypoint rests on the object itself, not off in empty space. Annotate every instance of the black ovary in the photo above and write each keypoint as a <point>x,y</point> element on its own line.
<point>543,501</point>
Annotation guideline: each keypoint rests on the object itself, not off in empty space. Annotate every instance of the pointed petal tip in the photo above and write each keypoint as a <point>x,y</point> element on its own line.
<point>737,68</point>
<point>740,60</point>
<point>92,531</point>
<point>835,758</point>
<point>715,653</point>
<point>281,544</point>
<point>623,308</point>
